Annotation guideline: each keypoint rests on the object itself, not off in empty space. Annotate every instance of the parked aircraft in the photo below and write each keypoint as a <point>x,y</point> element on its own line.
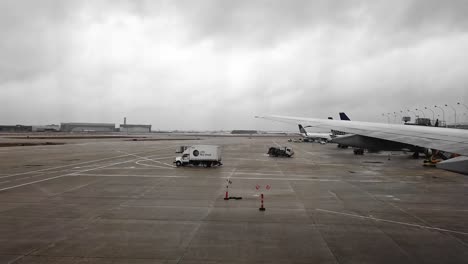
<point>319,137</point>
<point>360,143</point>
<point>416,137</point>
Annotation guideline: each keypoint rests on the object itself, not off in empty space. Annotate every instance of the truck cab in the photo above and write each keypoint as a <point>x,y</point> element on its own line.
<point>184,159</point>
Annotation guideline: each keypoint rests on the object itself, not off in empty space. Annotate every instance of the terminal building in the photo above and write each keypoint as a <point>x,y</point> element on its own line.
<point>127,128</point>
<point>87,127</point>
<point>46,128</point>
<point>15,129</point>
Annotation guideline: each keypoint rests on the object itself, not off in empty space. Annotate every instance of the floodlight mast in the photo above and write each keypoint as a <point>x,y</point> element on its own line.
<point>464,105</point>
<point>388,118</point>
<point>401,117</point>
<point>420,111</point>
<point>433,114</point>
<point>443,114</point>
<point>455,114</point>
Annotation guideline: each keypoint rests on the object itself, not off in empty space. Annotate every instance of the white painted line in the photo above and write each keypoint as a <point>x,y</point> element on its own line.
<point>153,166</point>
<point>334,195</point>
<point>58,167</point>
<point>258,173</point>
<point>280,179</point>
<point>160,158</point>
<point>69,174</point>
<point>391,221</point>
<point>78,173</point>
<point>153,160</point>
<point>276,143</point>
<point>16,186</point>
<point>68,165</point>
<point>197,176</point>
<point>255,171</point>
<point>263,160</point>
<point>105,166</point>
<point>131,175</point>
<point>77,187</point>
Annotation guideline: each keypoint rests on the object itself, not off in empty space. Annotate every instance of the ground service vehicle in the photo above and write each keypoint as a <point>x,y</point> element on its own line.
<point>204,155</point>
<point>280,152</point>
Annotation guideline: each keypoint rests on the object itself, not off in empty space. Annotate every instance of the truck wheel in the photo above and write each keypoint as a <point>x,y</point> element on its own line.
<point>178,163</point>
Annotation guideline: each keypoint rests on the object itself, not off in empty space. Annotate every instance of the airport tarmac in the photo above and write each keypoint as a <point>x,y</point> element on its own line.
<point>120,201</point>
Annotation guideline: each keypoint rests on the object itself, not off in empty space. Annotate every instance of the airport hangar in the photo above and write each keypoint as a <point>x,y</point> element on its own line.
<point>15,128</point>
<point>135,128</point>
<point>104,127</point>
<point>85,127</point>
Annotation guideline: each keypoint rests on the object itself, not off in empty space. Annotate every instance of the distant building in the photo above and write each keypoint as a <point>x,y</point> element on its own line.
<point>127,128</point>
<point>87,127</point>
<point>15,129</point>
<point>244,132</point>
<point>46,128</point>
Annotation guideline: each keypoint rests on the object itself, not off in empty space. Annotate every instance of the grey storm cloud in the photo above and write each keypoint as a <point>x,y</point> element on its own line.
<point>215,64</point>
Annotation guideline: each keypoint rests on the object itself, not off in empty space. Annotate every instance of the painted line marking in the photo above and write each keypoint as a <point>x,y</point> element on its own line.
<point>130,175</point>
<point>58,167</point>
<point>69,174</point>
<point>334,195</point>
<point>391,221</point>
<point>145,158</point>
<point>224,177</point>
<point>68,165</point>
<point>197,176</point>
<point>12,187</point>
<point>153,166</point>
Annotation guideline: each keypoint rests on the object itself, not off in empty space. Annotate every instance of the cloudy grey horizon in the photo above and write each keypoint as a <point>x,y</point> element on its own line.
<point>212,65</point>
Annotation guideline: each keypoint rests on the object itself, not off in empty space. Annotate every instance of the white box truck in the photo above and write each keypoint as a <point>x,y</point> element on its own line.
<point>204,155</point>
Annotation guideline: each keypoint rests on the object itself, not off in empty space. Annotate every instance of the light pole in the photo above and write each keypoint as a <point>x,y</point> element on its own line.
<point>388,114</point>
<point>414,113</point>
<point>420,111</point>
<point>401,117</point>
<point>433,115</point>
<point>388,118</point>
<point>455,114</point>
<point>464,106</point>
<point>443,113</point>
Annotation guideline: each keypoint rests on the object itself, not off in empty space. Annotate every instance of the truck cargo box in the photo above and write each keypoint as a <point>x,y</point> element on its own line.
<point>204,152</point>
<point>205,155</point>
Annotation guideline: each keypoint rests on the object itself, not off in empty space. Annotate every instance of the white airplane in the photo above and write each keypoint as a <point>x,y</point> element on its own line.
<point>430,138</point>
<point>319,137</point>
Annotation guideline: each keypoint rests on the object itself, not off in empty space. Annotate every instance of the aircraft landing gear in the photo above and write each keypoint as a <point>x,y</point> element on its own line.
<point>416,155</point>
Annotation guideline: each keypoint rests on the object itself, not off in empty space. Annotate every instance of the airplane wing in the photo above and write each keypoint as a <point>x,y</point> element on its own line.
<point>445,139</point>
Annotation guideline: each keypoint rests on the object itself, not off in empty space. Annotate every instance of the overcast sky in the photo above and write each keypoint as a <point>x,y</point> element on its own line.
<point>216,64</point>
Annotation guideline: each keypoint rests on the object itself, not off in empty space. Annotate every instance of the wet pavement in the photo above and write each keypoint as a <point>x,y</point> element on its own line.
<point>119,201</point>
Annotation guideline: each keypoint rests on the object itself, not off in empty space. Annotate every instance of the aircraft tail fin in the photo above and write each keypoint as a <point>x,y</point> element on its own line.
<point>343,116</point>
<point>302,130</point>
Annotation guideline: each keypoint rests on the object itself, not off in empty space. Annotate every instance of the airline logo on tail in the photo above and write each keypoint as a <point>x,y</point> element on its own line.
<point>343,116</point>
<point>302,130</point>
